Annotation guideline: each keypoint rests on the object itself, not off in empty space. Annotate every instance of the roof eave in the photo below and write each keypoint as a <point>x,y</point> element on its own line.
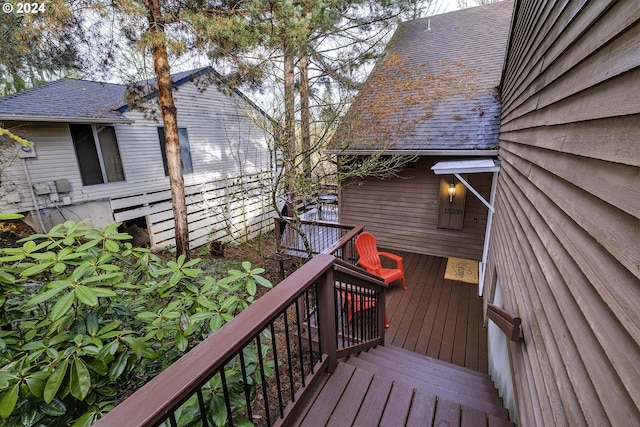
<point>84,120</point>
<point>126,107</point>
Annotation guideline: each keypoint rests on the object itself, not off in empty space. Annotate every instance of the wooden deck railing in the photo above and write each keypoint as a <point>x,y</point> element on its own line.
<point>324,237</point>
<point>259,367</point>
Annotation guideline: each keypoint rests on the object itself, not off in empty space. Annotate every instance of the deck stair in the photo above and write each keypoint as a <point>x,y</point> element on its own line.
<point>387,385</point>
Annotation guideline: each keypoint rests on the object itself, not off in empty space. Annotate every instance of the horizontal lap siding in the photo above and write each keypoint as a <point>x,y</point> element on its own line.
<point>566,237</point>
<point>228,190</point>
<point>55,159</point>
<point>224,143</point>
<point>403,213</point>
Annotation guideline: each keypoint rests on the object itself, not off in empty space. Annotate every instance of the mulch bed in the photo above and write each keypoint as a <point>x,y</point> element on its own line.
<point>259,252</point>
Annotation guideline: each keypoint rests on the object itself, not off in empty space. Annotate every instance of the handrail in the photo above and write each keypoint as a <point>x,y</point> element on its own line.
<point>342,247</point>
<point>157,401</point>
<point>319,222</point>
<point>344,241</point>
<point>354,270</point>
<point>507,322</point>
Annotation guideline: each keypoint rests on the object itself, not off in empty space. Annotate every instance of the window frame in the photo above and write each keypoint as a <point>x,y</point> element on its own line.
<point>184,144</point>
<point>98,149</point>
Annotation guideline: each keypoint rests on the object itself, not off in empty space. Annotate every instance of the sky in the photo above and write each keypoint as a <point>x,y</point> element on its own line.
<point>449,5</point>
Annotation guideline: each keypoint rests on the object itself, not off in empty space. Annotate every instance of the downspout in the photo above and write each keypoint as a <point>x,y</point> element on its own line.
<point>487,231</point>
<point>33,196</point>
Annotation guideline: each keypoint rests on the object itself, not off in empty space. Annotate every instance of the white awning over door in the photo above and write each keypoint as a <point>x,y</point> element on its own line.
<point>466,166</point>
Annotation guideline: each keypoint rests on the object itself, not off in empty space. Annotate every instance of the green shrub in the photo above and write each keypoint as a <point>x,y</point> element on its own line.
<point>85,319</point>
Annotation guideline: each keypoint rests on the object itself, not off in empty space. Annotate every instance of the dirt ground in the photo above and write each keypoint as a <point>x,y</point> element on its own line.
<point>12,231</point>
<point>259,252</point>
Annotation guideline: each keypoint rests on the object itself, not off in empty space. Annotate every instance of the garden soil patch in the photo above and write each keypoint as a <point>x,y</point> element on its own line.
<point>12,231</point>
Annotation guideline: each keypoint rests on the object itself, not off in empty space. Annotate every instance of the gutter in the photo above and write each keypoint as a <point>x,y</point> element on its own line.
<point>466,153</point>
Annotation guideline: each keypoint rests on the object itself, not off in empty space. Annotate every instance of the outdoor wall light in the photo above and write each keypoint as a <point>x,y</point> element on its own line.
<point>452,191</point>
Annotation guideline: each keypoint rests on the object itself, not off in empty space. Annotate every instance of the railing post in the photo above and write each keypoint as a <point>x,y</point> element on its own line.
<point>346,252</point>
<point>382,314</point>
<point>327,320</point>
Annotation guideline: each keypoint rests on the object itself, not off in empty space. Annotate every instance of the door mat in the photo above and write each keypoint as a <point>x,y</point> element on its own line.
<point>463,270</point>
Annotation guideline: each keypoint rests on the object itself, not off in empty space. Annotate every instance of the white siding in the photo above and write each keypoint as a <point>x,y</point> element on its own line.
<point>225,144</point>
<point>55,159</point>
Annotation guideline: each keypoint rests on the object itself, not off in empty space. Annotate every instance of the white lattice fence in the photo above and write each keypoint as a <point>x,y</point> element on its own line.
<point>223,210</point>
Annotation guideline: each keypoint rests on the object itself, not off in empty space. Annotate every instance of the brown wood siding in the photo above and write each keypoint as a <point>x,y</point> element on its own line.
<point>566,238</point>
<point>403,213</point>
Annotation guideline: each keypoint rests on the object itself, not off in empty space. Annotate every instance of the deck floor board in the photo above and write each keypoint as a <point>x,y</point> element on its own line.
<point>435,316</point>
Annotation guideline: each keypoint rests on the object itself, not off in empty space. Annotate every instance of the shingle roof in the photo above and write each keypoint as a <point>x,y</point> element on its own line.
<point>436,88</point>
<point>66,100</point>
<point>74,100</point>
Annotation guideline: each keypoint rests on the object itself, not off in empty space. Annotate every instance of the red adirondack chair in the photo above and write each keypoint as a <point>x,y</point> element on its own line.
<point>356,302</point>
<point>370,259</point>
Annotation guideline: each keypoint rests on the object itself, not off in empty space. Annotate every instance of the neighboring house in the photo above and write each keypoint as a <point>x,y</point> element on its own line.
<point>565,246</point>
<point>96,158</point>
<point>434,96</point>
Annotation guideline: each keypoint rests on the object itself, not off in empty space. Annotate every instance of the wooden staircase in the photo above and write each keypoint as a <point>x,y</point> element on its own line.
<point>387,385</point>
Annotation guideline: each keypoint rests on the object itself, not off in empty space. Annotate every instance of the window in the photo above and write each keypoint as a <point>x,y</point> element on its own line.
<point>98,154</point>
<point>185,151</point>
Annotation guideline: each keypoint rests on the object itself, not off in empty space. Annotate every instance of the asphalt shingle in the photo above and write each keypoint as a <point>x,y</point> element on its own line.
<point>66,100</point>
<point>74,100</point>
<point>437,87</point>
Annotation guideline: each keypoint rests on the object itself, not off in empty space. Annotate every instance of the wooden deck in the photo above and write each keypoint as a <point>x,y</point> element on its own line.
<point>436,317</point>
<point>396,384</point>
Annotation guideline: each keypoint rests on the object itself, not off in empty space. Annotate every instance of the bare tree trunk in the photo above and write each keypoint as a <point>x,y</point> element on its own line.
<point>305,122</point>
<point>289,124</point>
<point>170,122</point>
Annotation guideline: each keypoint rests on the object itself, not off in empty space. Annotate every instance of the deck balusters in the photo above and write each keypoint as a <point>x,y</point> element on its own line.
<point>265,395</point>
<point>276,368</point>
<point>324,237</point>
<point>203,409</point>
<point>363,313</point>
<point>316,305</point>
<point>300,352</point>
<point>289,361</point>
<point>225,393</point>
<point>172,419</point>
<point>309,334</point>
<point>354,335</point>
<point>336,314</point>
<point>245,382</point>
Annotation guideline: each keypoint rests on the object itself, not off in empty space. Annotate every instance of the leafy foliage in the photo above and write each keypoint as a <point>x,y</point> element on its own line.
<point>86,317</point>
